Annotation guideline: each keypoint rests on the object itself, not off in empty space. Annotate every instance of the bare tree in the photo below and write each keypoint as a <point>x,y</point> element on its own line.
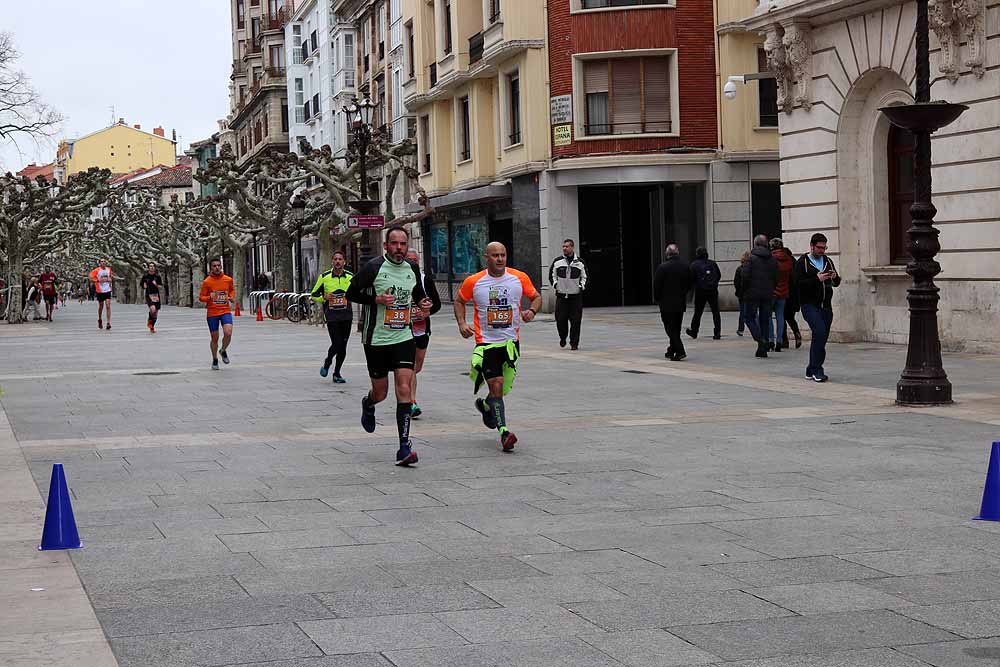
<point>22,111</point>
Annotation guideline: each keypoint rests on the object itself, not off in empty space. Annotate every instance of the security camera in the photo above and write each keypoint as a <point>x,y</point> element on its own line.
<point>729,90</point>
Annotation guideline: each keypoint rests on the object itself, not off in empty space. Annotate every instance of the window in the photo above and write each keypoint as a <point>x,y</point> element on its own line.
<point>307,111</point>
<point>424,141</point>
<point>241,15</point>
<point>494,11</point>
<point>767,94</point>
<point>276,56</point>
<point>447,26</point>
<point>349,66</point>
<point>513,108</point>
<point>314,41</point>
<point>601,4</point>
<point>316,104</point>
<point>255,28</point>
<point>464,143</point>
<point>627,96</point>
<point>380,110</point>
<point>410,54</point>
<point>380,31</point>
<point>900,156</point>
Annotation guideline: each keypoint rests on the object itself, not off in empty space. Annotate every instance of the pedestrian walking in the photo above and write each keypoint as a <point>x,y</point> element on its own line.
<point>738,287</point>
<point>706,276</point>
<point>331,290</point>
<point>218,293</point>
<point>671,285</point>
<point>816,276</point>
<point>786,266</point>
<point>568,276</point>
<point>421,326</point>
<point>32,299</point>
<point>791,308</point>
<point>760,276</point>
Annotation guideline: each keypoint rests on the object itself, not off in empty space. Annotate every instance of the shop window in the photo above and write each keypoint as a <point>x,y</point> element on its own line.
<point>439,249</point>
<point>468,243</point>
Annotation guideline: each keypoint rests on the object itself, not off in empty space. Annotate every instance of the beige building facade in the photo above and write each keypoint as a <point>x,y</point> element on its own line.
<point>846,172</point>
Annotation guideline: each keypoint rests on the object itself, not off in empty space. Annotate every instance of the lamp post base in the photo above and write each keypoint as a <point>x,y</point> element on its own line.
<point>923,392</point>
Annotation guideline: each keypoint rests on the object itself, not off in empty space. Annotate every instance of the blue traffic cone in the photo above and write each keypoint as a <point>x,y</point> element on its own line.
<point>990,509</point>
<point>60,526</point>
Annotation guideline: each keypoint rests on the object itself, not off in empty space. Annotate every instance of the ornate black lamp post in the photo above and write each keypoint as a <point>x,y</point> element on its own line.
<point>359,114</point>
<point>298,214</point>
<point>923,381</point>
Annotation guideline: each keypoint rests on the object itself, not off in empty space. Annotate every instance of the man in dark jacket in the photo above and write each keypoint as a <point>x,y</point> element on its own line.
<point>815,277</point>
<point>760,276</point>
<point>568,276</point>
<point>706,276</point>
<point>671,285</point>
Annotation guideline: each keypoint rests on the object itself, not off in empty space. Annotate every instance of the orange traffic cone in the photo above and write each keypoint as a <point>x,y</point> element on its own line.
<point>260,314</point>
<point>237,313</point>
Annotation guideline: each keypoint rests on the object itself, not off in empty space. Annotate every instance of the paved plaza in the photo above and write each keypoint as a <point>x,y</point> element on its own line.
<point>717,511</point>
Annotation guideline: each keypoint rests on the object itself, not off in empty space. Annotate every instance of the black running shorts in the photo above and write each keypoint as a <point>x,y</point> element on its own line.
<point>385,358</point>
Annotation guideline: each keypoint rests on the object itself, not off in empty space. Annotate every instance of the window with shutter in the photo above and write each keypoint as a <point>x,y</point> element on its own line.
<point>628,96</point>
<point>595,84</point>
<point>656,94</point>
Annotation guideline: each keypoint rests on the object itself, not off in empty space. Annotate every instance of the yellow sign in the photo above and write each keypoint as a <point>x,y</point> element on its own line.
<point>562,135</point>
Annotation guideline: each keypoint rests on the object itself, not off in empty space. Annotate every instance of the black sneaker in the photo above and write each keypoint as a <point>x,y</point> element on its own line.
<point>339,379</point>
<point>820,377</point>
<point>224,356</point>
<point>367,415</point>
<point>215,364</point>
<point>508,440</point>
<point>691,332</point>
<point>405,456</point>
<point>488,420</point>
<point>679,357</point>
<point>562,342</point>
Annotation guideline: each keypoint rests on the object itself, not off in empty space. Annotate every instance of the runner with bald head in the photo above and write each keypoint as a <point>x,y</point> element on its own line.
<point>496,294</point>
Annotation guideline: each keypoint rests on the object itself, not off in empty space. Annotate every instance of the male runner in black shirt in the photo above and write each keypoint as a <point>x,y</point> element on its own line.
<point>151,283</point>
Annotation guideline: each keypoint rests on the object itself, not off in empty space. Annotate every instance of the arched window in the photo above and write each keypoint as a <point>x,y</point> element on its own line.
<point>900,161</point>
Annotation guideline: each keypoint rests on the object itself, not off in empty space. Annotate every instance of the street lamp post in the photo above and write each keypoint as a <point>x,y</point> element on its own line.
<point>359,114</point>
<point>923,381</point>
<point>298,214</point>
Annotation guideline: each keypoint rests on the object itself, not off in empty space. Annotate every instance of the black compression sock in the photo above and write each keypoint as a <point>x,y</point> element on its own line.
<point>403,411</point>
<point>499,412</point>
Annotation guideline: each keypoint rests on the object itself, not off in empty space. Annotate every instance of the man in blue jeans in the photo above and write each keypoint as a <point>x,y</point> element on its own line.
<point>816,276</point>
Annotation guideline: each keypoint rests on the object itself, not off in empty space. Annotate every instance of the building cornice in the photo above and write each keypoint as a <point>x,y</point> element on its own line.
<point>814,12</point>
<point>634,160</point>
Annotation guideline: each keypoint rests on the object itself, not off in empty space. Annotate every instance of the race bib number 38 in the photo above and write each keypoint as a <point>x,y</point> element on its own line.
<point>499,317</point>
<point>397,317</point>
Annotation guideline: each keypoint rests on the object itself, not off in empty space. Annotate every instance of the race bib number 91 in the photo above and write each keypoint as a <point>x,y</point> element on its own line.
<point>499,317</point>
<point>397,317</point>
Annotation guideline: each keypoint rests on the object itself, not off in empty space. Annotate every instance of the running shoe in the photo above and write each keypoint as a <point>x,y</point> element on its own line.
<point>215,364</point>
<point>324,371</point>
<point>152,329</point>
<point>149,325</point>
<point>679,357</point>
<point>108,326</point>
<point>508,440</point>
<point>100,324</point>
<point>339,379</point>
<point>562,342</point>
<point>406,456</point>
<point>225,356</point>
<point>820,377</point>
<point>488,420</point>
<point>367,415</point>
<point>691,332</point>
<point>415,411</point>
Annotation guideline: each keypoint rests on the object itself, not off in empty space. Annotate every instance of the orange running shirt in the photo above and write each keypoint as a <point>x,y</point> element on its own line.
<point>216,292</point>
<point>497,304</point>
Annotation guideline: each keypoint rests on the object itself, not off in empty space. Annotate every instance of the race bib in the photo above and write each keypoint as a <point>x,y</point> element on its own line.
<point>499,317</point>
<point>397,317</point>
<point>337,301</point>
<point>155,298</point>
<point>220,297</point>
<point>419,323</point>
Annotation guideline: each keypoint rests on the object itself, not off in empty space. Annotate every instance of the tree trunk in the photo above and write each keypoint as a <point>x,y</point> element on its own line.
<point>15,266</point>
<point>282,261</point>
<point>239,269</point>
<point>325,236</point>
<point>197,278</point>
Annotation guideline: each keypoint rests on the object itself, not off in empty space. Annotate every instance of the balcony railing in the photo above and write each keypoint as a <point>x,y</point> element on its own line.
<point>476,48</point>
<point>276,72</point>
<point>277,20</point>
<point>434,74</point>
<point>254,46</point>
<point>642,127</point>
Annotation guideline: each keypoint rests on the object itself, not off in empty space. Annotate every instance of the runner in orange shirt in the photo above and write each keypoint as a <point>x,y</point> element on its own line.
<point>103,279</point>
<point>219,293</point>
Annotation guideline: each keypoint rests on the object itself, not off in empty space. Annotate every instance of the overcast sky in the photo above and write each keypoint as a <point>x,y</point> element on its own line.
<point>158,63</point>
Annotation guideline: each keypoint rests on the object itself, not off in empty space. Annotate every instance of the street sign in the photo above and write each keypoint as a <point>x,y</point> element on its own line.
<point>560,109</point>
<point>365,221</point>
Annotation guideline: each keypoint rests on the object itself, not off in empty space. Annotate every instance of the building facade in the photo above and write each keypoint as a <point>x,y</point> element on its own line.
<point>121,148</point>
<point>258,116</point>
<point>847,173</point>
<point>474,78</point>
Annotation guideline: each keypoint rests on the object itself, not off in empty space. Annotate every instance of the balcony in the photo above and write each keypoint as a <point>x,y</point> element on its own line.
<point>277,20</point>
<point>275,74</point>
<point>476,48</point>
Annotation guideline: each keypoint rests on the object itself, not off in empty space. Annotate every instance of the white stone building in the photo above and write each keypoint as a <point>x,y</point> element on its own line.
<point>846,173</point>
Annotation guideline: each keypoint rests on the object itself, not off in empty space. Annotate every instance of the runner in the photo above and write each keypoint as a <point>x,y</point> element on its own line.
<point>387,287</point>
<point>219,293</point>
<point>421,326</point>
<point>50,285</point>
<point>496,294</point>
<point>102,278</point>
<point>152,283</point>
<point>331,291</point>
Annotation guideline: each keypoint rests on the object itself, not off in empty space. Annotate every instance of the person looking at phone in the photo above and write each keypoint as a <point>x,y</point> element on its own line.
<point>816,276</point>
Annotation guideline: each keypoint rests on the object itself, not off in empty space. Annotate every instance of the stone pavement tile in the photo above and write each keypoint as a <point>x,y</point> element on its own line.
<point>970,653</point>
<point>134,531</point>
<point>112,517</point>
<point>318,580</point>
<point>212,648</point>
<point>319,520</point>
<point>878,657</point>
<point>515,623</point>
<point>698,553</point>
<point>684,515</point>
<point>809,634</point>
<point>354,660</point>
<point>925,561</point>
<point>587,562</point>
<point>480,546</point>
<point>105,488</point>
<point>429,534</point>
<point>417,486</point>
<point>796,571</point>
<point>380,633</point>
<point>929,589</point>
<point>902,536</point>
<point>60,605</point>
<point>556,589</point>
<point>293,539</point>
<point>451,571</point>
<point>363,502</point>
<point>471,516</point>
<point>214,498</point>
<point>111,503</point>
<point>24,555</point>
<point>597,523</point>
<point>577,506</point>
<point>122,594</point>
<point>175,529</point>
<point>351,555</point>
<point>791,546</point>
<point>626,533</point>
<point>648,648</point>
<point>205,615</point>
<point>170,567</point>
<point>769,493</point>
<point>972,620</point>
<point>405,600</point>
<point>538,653</point>
<point>503,494</point>
<point>828,597</point>
<point>328,493</point>
<point>538,481</point>
<point>667,581</point>
<point>679,608</point>
<point>789,508</point>
<point>271,508</point>
<point>80,648</point>
<point>152,549</point>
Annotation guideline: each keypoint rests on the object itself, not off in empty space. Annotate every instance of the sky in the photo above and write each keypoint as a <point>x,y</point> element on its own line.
<point>157,62</point>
